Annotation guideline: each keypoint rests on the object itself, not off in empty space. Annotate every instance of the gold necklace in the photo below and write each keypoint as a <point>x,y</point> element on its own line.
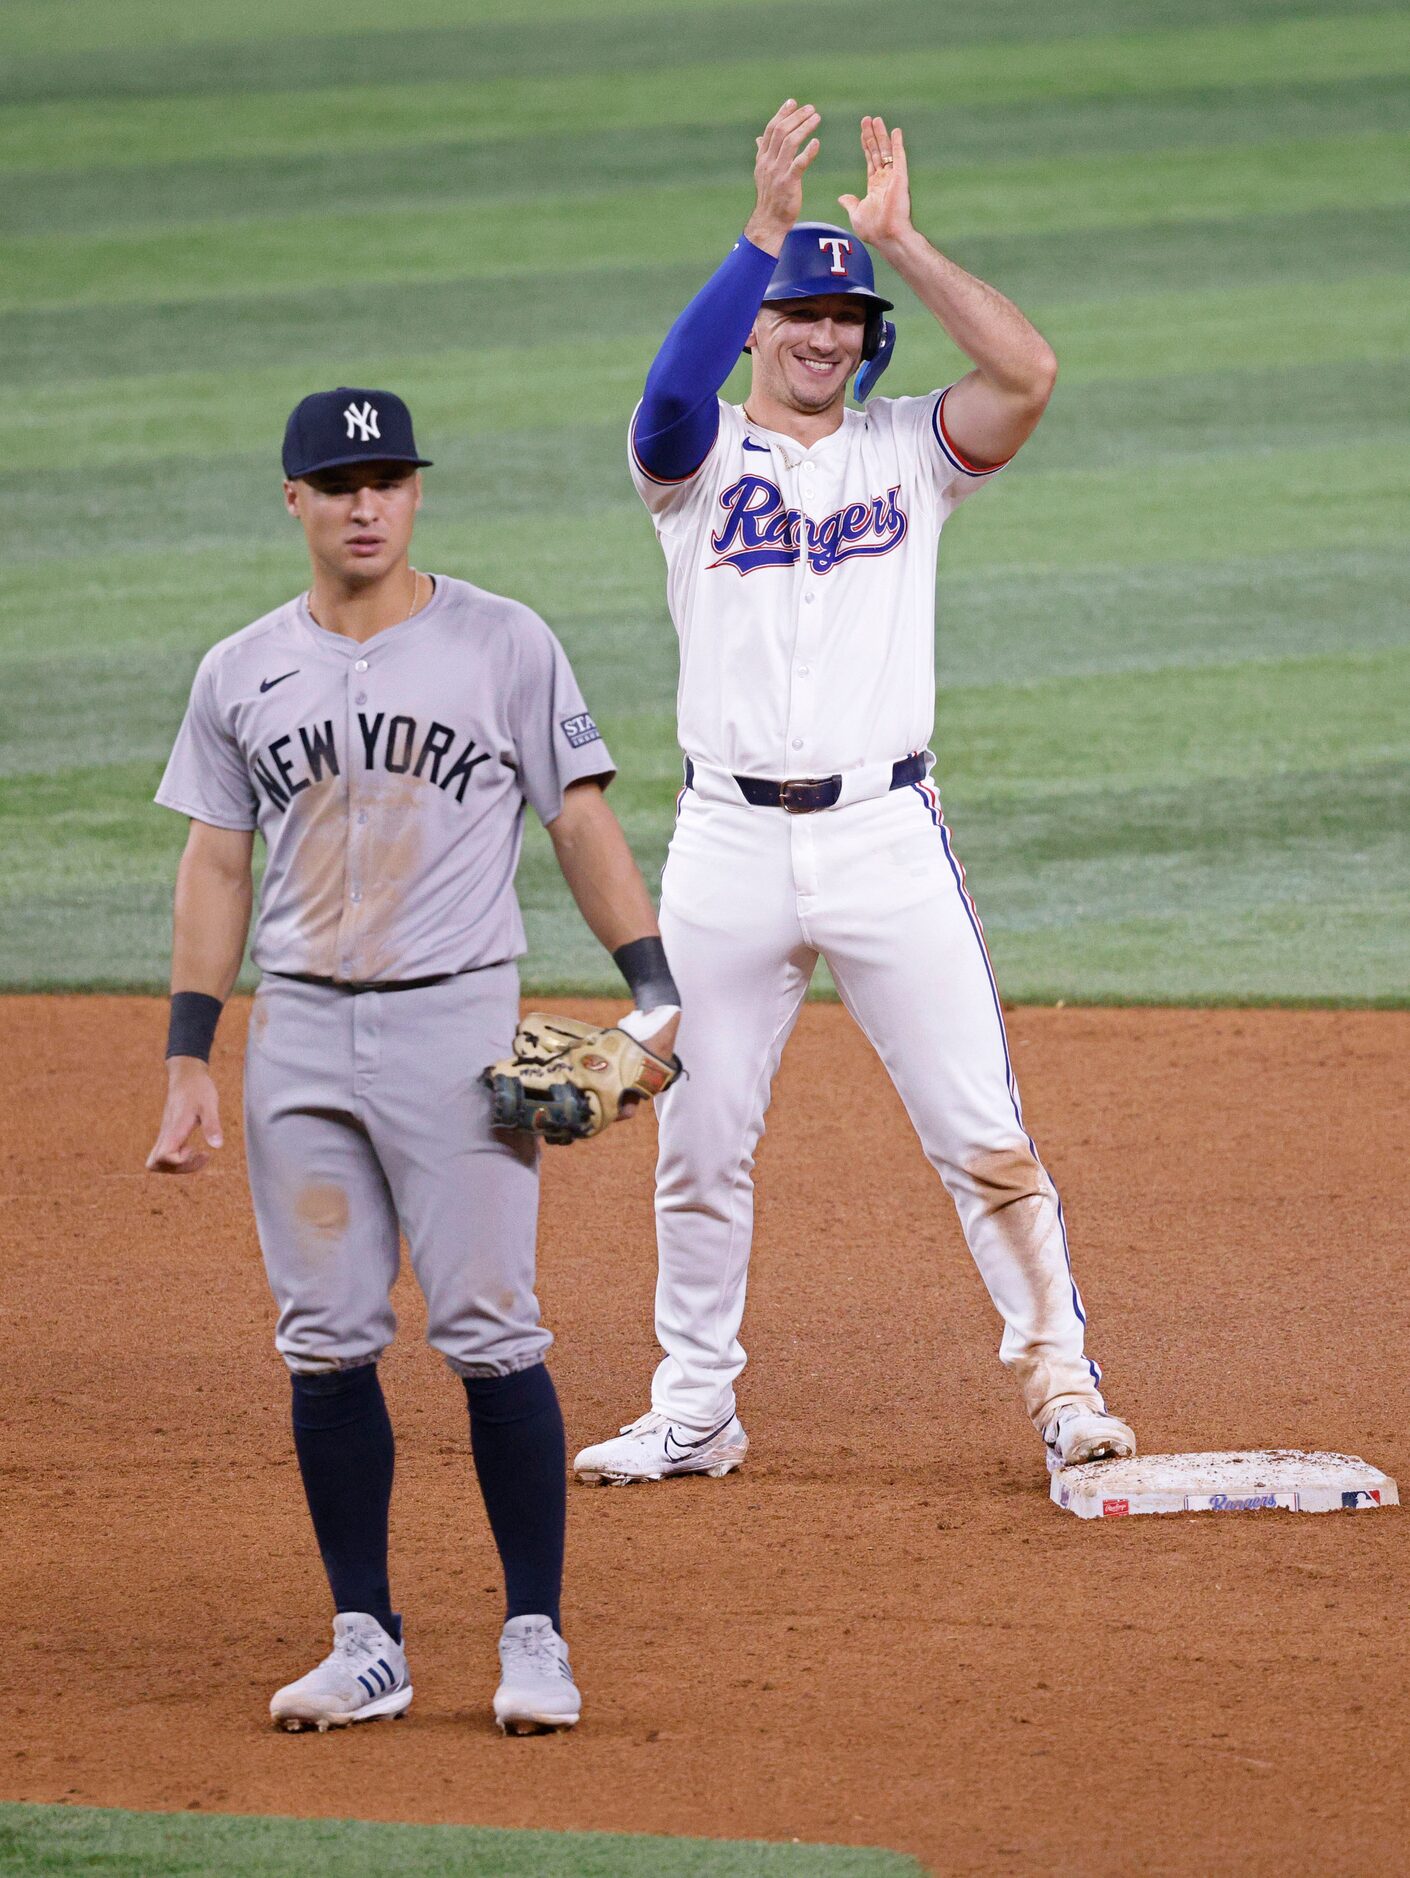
<point>415,594</point>
<point>415,590</point>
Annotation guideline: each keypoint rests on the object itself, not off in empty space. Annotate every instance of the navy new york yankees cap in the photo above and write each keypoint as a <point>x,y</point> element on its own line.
<point>348,425</point>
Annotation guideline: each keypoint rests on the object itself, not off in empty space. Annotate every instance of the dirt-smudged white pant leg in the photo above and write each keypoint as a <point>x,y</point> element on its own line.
<point>737,955</point>
<point>900,934</point>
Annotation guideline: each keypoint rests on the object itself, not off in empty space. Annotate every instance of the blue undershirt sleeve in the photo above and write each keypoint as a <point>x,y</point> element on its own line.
<point>679,415</point>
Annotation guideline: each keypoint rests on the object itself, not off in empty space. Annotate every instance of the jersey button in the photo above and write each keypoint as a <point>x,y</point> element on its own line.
<point>804,671</point>
<point>362,819</point>
<point>355,896</point>
<point>808,597</point>
<point>361,665</point>
<point>361,698</point>
<point>797,743</point>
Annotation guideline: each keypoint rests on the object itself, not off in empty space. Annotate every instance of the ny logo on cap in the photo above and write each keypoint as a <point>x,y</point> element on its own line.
<point>840,246</point>
<point>362,422</point>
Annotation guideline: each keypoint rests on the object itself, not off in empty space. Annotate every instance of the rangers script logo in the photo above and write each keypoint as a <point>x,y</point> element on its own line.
<point>760,530</point>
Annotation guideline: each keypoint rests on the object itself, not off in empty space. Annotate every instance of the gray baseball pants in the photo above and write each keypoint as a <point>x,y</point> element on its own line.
<point>365,1118</point>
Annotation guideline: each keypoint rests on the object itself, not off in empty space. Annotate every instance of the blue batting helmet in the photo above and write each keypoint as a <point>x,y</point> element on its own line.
<point>818,258</point>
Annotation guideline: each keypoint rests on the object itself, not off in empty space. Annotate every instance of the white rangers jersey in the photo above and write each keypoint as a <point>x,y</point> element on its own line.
<point>801,580</point>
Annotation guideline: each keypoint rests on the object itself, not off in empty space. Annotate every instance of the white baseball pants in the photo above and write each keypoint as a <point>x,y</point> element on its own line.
<point>751,897</point>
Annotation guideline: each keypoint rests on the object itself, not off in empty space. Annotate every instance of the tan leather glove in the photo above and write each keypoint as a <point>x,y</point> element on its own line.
<point>568,1079</point>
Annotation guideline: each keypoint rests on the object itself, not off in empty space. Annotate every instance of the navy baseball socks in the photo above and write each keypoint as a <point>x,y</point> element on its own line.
<point>343,1438</point>
<point>516,1438</point>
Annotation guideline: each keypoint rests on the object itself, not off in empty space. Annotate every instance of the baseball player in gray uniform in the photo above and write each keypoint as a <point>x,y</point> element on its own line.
<point>383,732</point>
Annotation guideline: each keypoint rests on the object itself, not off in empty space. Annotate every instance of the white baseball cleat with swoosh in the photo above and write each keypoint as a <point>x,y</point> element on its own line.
<point>1077,1435</point>
<point>654,1446</point>
<point>364,1677</point>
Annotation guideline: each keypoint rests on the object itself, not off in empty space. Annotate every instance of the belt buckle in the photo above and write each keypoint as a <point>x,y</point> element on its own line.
<point>790,803</point>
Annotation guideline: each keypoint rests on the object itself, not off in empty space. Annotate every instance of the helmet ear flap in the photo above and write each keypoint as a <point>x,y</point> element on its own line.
<point>871,333</point>
<point>875,362</point>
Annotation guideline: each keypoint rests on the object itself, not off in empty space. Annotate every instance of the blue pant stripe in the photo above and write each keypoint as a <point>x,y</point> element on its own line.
<point>937,818</point>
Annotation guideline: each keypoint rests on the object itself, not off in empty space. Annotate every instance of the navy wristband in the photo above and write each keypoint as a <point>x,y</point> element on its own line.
<point>191,1027</point>
<point>642,962</point>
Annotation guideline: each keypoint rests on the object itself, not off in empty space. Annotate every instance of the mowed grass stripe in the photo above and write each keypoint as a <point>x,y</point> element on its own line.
<point>31,28</point>
<point>107,198</point>
<point>1290,499</point>
<point>543,42</point>
<point>1253,955</point>
<point>592,37</point>
<point>149,27</point>
<point>1139,730</point>
<point>100,667</point>
<point>1314,863</point>
<point>601,233</point>
<point>1127,729</point>
<point>505,391</point>
<point>241,123</point>
<point>325,333</point>
<point>65,1841</point>
<point>1091,424</point>
<point>575,477</point>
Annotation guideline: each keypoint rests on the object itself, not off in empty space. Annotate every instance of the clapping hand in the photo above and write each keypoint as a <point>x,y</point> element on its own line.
<point>785,150</point>
<point>884,213</point>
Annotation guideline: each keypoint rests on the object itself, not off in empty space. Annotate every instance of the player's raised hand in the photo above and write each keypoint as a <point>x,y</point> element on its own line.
<point>884,213</point>
<point>785,150</point>
<point>191,1103</point>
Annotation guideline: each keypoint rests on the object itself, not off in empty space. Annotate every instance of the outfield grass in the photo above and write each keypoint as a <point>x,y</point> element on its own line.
<point>66,1841</point>
<point>1172,642</point>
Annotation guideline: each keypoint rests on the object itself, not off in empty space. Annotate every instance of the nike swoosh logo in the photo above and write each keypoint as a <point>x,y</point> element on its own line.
<point>762,448</point>
<point>268,684</point>
<point>687,1448</point>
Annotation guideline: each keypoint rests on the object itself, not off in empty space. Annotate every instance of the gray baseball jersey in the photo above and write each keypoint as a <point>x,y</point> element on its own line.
<point>388,779</point>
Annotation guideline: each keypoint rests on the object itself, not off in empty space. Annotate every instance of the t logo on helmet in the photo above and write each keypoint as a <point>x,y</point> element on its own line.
<point>840,246</point>
<point>362,421</point>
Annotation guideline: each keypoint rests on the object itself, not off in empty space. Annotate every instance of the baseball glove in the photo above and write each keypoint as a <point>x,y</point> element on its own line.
<point>567,1079</point>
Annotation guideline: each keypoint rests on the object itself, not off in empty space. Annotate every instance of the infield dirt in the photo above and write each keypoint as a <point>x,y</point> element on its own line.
<point>880,1630</point>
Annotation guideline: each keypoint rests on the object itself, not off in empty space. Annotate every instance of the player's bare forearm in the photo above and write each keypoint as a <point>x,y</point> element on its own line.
<point>211,916</point>
<point>598,866</point>
<point>211,911</point>
<point>991,412</point>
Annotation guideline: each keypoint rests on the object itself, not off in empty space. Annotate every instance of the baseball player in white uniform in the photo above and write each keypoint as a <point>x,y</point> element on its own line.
<point>384,733</point>
<point>800,539</point>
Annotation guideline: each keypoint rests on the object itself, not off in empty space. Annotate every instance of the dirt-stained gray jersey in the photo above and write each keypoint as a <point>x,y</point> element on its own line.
<point>388,779</point>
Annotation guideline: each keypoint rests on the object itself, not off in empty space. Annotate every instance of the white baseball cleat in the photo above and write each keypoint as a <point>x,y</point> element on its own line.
<point>363,1678</point>
<point>654,1446</point>
<point>536,1689</point>
<point>1077,1434</point>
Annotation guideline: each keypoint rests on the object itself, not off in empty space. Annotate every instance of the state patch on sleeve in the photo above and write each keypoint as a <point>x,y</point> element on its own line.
<point>580,730</point>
